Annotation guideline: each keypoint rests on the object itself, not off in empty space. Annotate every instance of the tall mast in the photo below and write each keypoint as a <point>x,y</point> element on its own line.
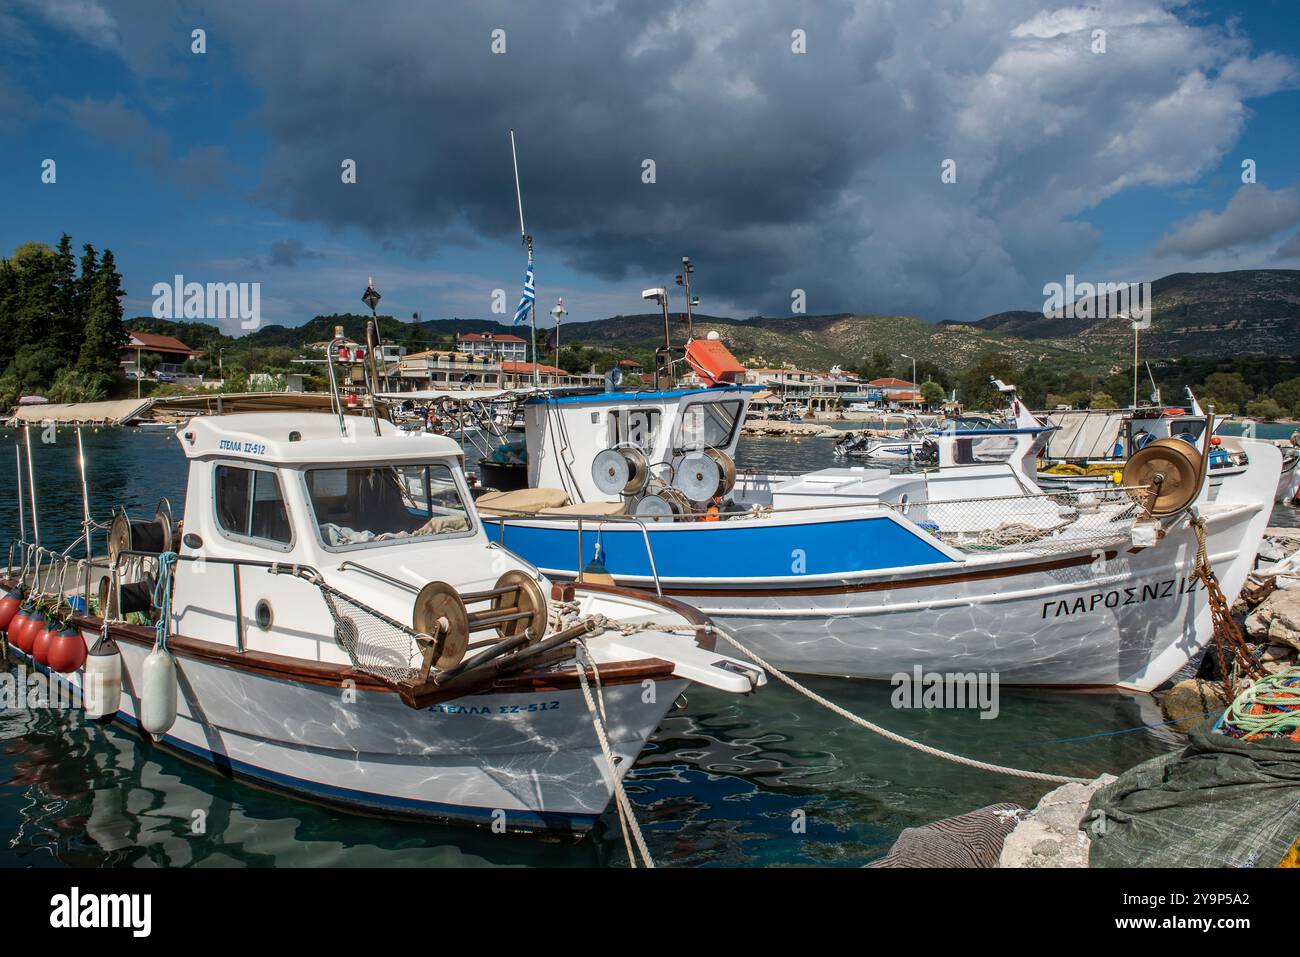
<point>528,242</point>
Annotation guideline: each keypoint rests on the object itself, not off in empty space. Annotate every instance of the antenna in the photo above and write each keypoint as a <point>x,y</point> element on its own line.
<point>685,280</point>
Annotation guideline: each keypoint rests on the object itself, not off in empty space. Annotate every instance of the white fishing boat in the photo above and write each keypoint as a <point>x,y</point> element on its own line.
<point>968,566</point>
<point>1090,446</point>
<point>330,619</point>
<point>912,446</point>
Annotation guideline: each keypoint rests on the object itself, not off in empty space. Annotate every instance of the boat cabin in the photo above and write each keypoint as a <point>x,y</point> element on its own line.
<point>378,515</point>
<point>566,431</point>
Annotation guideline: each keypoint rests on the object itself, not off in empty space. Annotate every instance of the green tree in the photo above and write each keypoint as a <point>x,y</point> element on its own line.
<point>976,389</point>
<point>1267,409</point>
<point>1287,395</point>
<point>932,394</point>
<point>1230,389</point>
<point>104,335</point>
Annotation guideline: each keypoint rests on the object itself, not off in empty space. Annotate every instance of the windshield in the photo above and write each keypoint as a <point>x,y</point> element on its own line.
<point>354,506</point>
<point>708,425</point>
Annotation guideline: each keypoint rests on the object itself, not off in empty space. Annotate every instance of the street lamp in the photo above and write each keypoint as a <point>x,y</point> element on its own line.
<point>660,295</point>
<point>557,313</point>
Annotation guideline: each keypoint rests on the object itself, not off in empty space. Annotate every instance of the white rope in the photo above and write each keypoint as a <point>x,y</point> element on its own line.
<point>626,816</point>
<point>892,736</point>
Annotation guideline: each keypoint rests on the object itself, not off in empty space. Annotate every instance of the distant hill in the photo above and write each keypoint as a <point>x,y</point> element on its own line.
<point>1204,315</point>
<point>816,342</point>
<point>1195,315</point>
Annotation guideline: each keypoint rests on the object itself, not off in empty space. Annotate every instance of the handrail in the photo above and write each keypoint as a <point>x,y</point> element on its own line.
<point>600,520</point>
<point>768,510</point>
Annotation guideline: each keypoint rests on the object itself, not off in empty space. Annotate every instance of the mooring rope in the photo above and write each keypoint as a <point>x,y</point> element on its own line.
<point>891,735</point>
<point>626,817</point>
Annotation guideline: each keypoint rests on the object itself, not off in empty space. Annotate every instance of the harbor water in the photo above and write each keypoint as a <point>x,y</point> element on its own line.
<point>768,780</point>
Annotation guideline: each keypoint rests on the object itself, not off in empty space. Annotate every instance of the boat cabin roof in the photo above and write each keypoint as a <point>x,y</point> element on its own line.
<point>308,438</point>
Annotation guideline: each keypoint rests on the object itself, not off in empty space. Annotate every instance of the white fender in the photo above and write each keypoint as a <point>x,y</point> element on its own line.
<point>158,693</point>
<point>102,681</point>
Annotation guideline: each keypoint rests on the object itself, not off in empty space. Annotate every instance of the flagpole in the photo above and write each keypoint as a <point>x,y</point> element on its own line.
<point>528,242</point>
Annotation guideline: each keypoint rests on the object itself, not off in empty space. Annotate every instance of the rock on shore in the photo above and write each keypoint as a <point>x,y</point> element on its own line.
<point>1049,835</point>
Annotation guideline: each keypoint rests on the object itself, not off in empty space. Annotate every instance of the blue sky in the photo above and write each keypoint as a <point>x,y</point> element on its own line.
<point>776,170</point>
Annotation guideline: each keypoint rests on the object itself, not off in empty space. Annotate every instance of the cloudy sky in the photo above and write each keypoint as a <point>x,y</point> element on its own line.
<point>794,147</point>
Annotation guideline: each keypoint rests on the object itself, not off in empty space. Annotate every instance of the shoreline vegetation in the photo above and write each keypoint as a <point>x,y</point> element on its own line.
<point>64,332</point>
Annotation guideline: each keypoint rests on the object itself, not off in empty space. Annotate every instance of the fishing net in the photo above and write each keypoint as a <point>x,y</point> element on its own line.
<point>374,644</point>
<point>1041,523</point>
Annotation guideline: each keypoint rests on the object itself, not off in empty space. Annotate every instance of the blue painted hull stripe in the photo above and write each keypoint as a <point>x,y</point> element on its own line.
<point>700,550</point>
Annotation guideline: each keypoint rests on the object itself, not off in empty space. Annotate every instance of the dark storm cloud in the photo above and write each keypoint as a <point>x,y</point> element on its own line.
<point>287,253</point>
<point>775,170</point>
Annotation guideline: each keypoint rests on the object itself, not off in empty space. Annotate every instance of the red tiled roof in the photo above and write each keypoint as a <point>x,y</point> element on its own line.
<point>488,336</point>
<point>152,340</point>
<point>516,368</point>
<point>891,381</point>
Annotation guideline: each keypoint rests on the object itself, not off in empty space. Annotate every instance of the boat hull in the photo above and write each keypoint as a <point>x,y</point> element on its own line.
<point>520,760</point>
<point>1125,619</point>
<point>1099,615</point>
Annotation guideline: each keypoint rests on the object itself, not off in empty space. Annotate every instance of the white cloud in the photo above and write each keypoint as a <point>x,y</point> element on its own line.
<point>1253,215</point>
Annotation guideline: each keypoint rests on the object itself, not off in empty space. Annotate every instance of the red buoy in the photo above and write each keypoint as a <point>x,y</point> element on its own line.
<point>67,651</point>
<point>23,634</point>
<point>41,642</point>
<point>9,606</point>
<point>17,624</point>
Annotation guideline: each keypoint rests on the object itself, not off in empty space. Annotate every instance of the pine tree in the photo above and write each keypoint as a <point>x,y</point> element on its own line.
<point>89,270</point>
<point>67,316</point>
<point>104,335</point>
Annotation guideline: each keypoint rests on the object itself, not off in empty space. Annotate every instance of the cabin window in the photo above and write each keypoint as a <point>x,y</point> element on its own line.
<point>250,504</point>
<point>708,425</point>
<point>637,427</point>
<point>357,506</point>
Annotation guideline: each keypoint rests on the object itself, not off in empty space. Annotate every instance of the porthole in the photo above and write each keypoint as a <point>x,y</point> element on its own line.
<point>903,503</point>
<point>262,615</point>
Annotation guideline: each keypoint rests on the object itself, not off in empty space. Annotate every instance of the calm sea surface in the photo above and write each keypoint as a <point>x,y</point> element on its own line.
<point>721,785</point>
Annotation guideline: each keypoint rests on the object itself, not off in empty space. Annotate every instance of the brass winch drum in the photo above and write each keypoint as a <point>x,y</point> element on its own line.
<point>1169,470</point>
<point>155,536</point>
<point>136,597</point>
<point>517,609</point>
<point>621,471</point>
<point>698,477</point>
<point>727,466</point>
<point>665,504</point>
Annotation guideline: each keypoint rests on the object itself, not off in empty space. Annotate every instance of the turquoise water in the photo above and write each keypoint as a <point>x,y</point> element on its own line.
<point>725,782</point>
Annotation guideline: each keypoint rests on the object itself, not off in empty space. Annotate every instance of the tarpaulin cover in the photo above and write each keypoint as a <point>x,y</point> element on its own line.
<point>1220,802</point>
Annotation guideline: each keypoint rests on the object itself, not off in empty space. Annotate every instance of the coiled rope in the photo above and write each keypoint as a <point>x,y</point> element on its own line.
<point>1269,708</point>
<point>162,598</point>
<point>627,819</point>
<point>894,736</point>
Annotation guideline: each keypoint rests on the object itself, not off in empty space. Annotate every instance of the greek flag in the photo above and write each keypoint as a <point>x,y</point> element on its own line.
<point>527,299</point>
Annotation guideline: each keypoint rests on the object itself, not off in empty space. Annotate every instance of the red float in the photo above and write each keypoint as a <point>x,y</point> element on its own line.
<point>41,642</point>
<point>26,633</point>
<point>9,606</point>
<point>17,624</point>
<point>67,651</point>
